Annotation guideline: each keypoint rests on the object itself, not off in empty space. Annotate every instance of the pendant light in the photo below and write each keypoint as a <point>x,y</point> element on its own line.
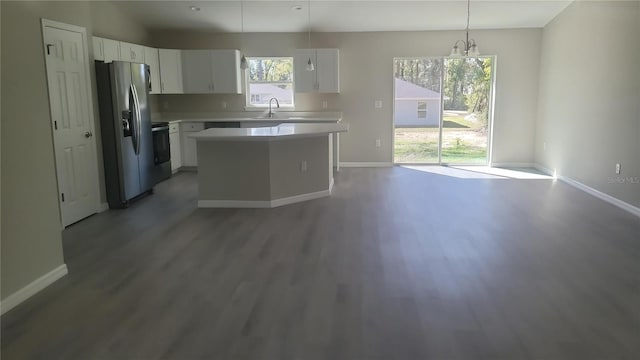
<point>310,66</point>
<point>470,47</point>
<point>243,60</point>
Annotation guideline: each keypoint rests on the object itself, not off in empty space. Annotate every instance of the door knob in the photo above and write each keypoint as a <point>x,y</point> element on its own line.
<point>88,134</point>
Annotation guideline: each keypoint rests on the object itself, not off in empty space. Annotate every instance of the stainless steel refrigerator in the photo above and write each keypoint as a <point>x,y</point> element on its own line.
<point>127,142</point>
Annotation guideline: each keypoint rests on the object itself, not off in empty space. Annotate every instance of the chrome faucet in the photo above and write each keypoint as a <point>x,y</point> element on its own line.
<point>277,104</point>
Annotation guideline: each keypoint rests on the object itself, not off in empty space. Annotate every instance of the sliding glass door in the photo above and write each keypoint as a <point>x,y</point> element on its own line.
<point>442,110</point>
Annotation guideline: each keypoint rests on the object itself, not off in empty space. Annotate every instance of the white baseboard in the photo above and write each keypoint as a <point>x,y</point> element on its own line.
<point>103,207</point>
<point>233,204</point>
<point>513,164</point>
<point>589,190</point>
<point>34,287</point>
<point>262,204</point>
<point>300,198</point>
<point>543,169</point>
<point>365,164</point>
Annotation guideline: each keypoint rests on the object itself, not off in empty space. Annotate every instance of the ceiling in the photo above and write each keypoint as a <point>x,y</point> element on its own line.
<point>343,16</point>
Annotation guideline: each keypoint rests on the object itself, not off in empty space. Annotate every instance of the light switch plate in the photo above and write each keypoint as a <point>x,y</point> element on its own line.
<point>378,104</point>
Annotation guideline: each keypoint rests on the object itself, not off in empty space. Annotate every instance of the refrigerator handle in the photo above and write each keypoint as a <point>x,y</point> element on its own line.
<point>133,122</point>
<point>136,104</point>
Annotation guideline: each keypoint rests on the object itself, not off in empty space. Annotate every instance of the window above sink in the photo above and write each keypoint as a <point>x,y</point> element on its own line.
<point>269,77</point>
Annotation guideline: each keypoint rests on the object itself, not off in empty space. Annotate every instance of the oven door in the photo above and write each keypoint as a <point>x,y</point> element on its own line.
<point>161,149</point>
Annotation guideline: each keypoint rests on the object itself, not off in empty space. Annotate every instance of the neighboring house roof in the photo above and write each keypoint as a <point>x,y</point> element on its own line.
<point>409,91</point>
<point>271,90</point>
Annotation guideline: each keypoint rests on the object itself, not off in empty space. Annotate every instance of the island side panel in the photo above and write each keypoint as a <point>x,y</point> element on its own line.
<point>233,171</point>
<point>288,178</point>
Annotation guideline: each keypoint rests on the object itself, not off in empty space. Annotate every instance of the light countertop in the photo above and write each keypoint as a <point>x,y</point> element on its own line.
<point>283,131</point>
<point>257,117</point>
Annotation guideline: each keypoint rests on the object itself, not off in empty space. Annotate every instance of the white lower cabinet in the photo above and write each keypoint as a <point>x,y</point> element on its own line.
<point>189,150</point>
<point>174,146</point>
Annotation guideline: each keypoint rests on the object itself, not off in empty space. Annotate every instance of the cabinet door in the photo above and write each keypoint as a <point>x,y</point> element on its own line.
<point>98,48</point>
<point>305,81</point>
<point>196,71</point>
<point>170,71</point>
<point>131,52</point>
<point>328,70</point>
<point>176,151</point>
<point>189,151</point>
<point>151,59</point>
<point>225,68</point>
<point>111,50</point>
<point>189,156</point>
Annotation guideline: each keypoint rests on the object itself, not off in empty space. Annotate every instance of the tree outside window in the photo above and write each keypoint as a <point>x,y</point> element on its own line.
<point>270,77</point>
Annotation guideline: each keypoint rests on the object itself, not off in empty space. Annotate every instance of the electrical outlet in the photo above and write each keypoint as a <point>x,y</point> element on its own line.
<point>303,166</point>
<point>618,168</point>
<point>224,104</point>
<point>378,104</point>
<point>325,104</point>
<point>378,143</point>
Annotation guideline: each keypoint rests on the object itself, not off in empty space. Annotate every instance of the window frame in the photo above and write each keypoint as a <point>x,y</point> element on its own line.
<point>247,82</point>
<point>425,111</point>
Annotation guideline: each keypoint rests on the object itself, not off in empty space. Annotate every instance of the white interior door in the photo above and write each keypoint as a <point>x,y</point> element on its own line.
<point>74,144</point>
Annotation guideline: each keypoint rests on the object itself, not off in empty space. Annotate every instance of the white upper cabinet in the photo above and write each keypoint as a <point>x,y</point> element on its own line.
<point>151,59</point>
<point>328,70</point>
<point>211,71</point>
<point>106,50</point>
<point>226,72</point>
<point>326,76</point>
<point>170,71</point>
<point>197,74</point>
<point>98,48</point>
<point>131,52</point>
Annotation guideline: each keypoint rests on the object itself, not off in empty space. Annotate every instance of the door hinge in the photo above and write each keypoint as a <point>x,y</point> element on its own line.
<point>55,125</point>
<point>62,197</point>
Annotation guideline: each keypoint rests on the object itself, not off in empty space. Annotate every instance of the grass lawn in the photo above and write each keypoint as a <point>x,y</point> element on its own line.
<point>420,145</point>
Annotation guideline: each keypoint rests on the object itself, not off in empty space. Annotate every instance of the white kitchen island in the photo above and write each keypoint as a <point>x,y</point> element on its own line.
<point>266,166</point>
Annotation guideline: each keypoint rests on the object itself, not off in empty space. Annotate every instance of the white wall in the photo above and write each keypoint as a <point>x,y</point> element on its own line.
<point>31,228</point>
<point>366,63</point>
<point>406,113</point>
<point>589,114</point>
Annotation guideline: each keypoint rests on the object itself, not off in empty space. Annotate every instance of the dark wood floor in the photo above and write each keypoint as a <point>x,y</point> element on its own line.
<point>397,264</point>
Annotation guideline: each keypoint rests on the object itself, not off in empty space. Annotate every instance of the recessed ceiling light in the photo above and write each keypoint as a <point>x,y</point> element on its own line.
<point>194,8</point>
<point>296,8</point>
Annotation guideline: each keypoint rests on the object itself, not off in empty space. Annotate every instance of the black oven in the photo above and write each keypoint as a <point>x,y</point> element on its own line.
<point>161,151</point>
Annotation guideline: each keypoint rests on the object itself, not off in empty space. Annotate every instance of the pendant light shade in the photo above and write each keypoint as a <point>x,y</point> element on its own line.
<point>310,66</point>
<point>473,51</point>
<point>243,63</point>
<point>455,51</point>
<point>470,47</point>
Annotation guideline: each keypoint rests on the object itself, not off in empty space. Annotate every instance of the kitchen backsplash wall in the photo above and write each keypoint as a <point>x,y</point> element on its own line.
<point>203,103</point>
